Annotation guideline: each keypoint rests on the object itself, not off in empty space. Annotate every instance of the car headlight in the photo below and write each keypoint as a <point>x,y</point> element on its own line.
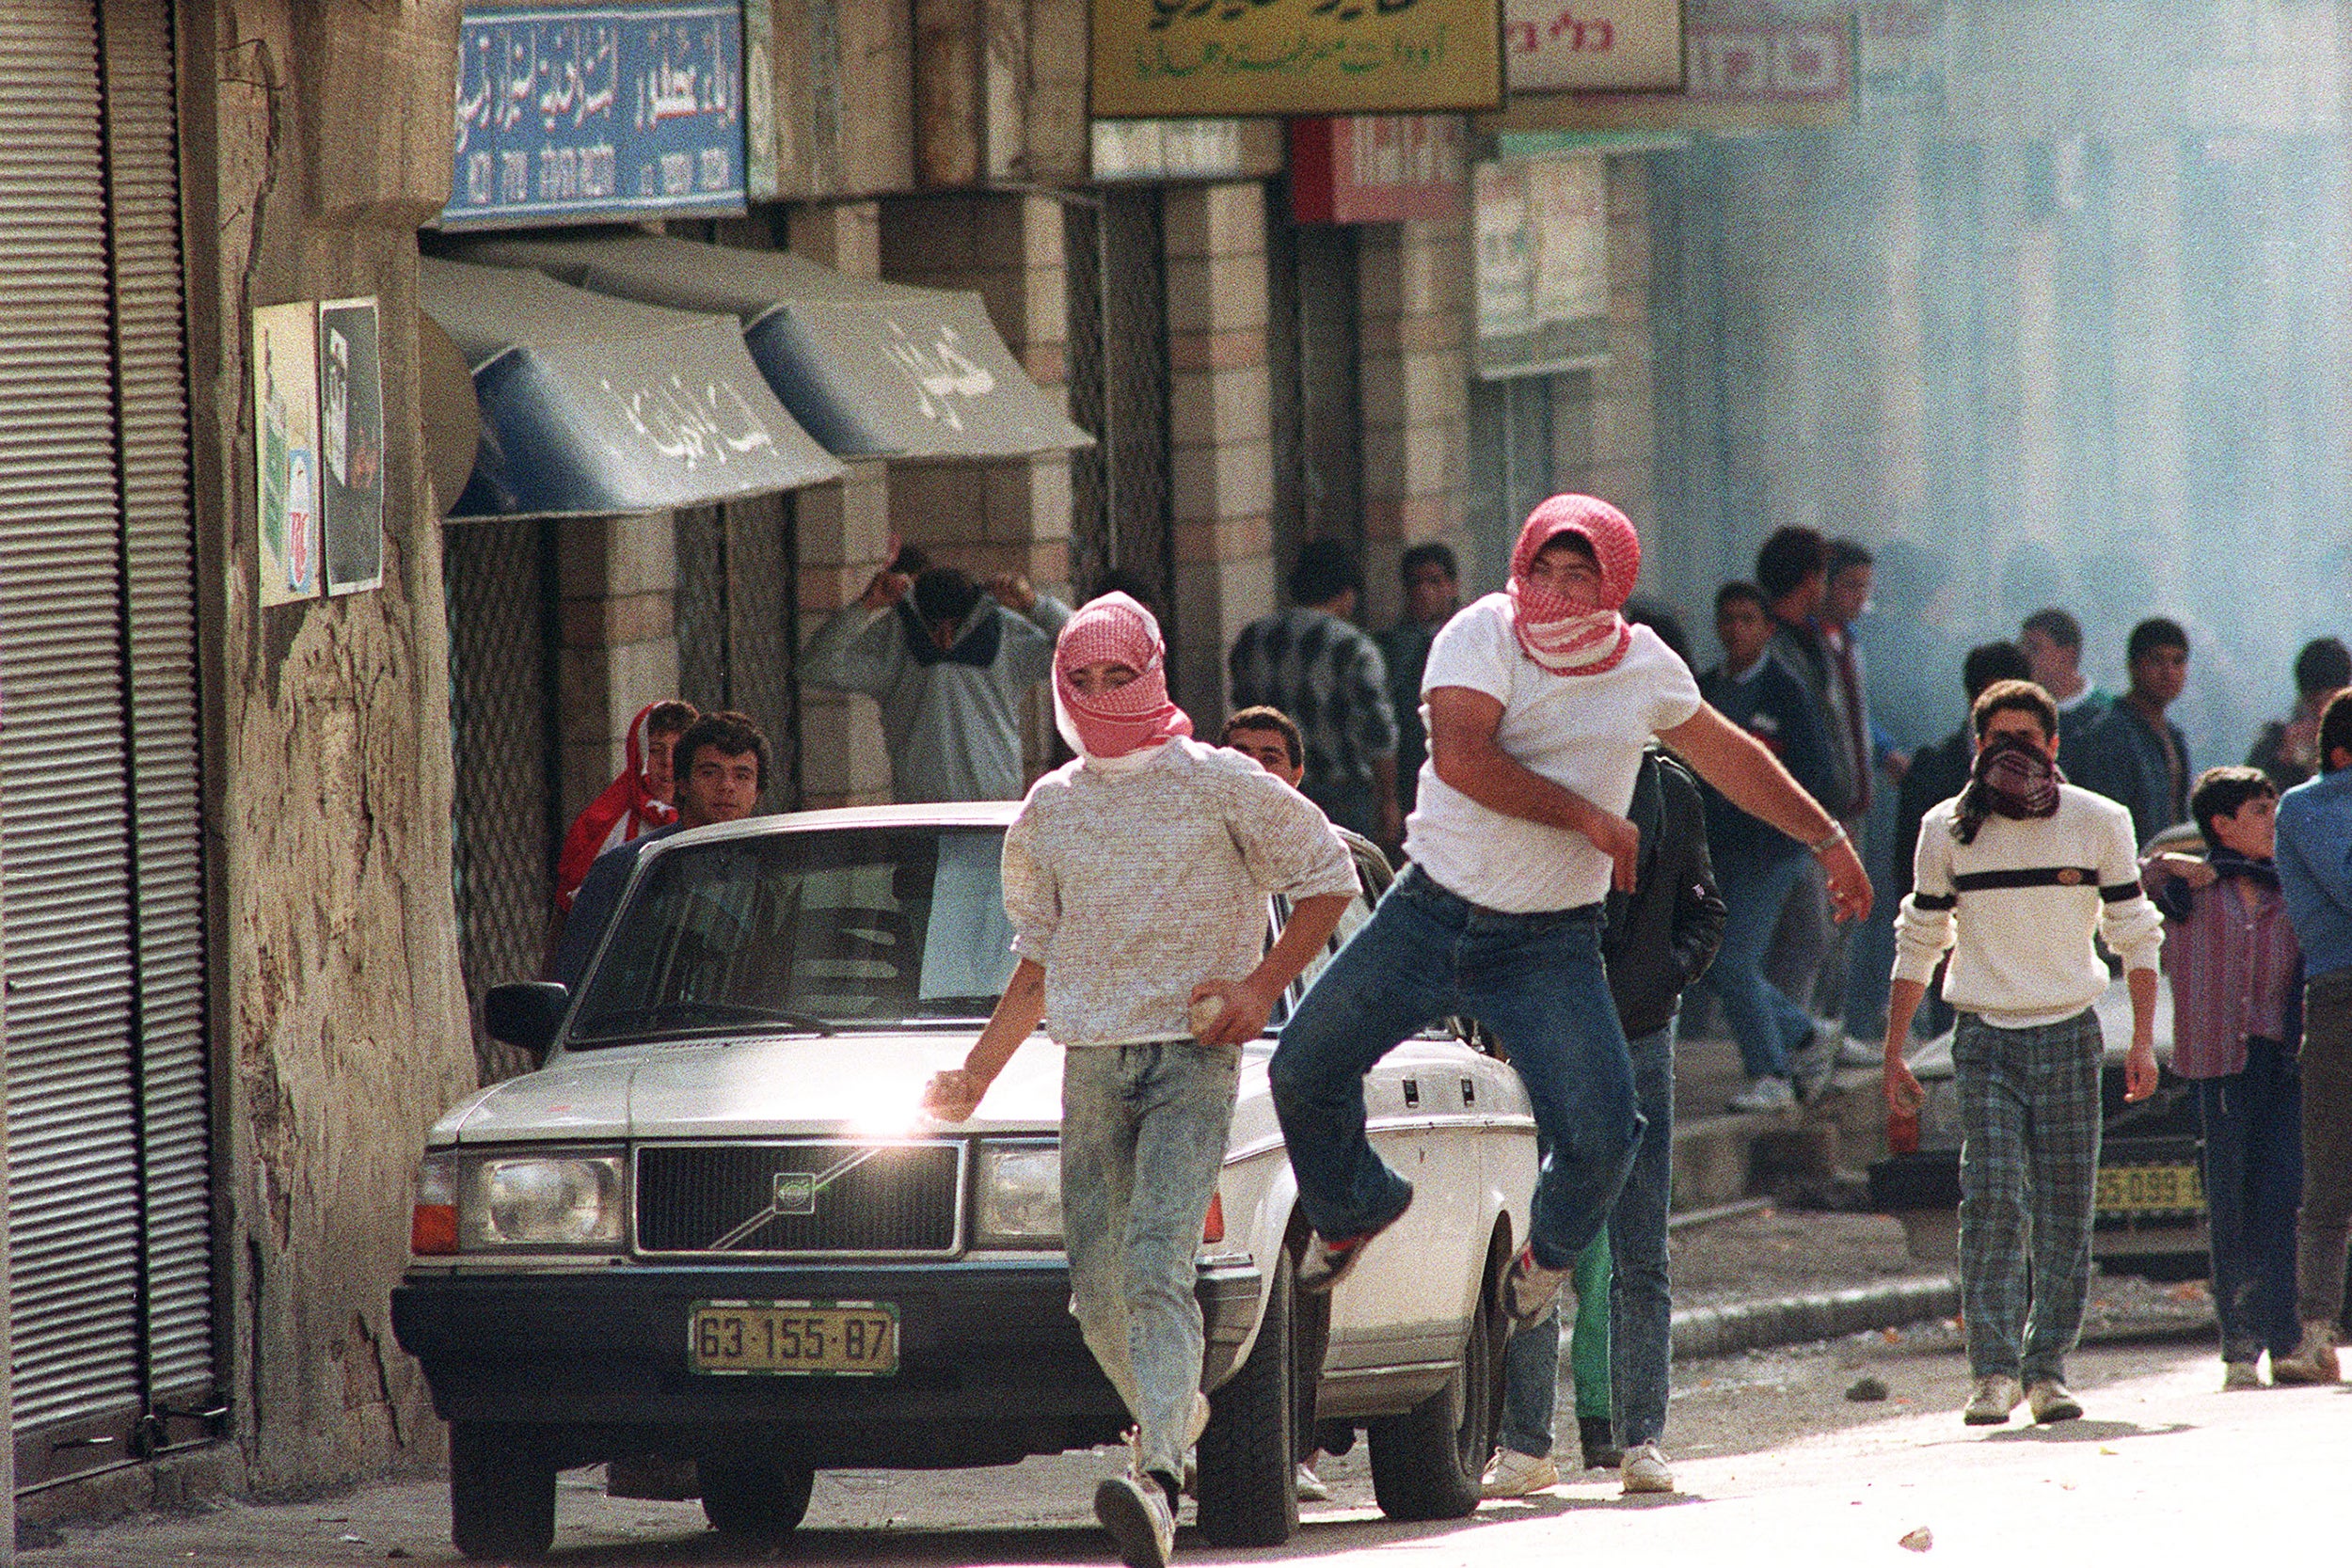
<point>529,1201</point>
<point>1020,1195</point>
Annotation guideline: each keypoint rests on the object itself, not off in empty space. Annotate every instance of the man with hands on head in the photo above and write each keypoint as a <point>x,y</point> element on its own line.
<point>1136,879</point>
<point>2014,876</point>
<point>1540,701</point>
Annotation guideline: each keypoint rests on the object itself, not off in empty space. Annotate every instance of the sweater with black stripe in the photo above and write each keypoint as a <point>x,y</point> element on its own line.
<point>2018,907</point>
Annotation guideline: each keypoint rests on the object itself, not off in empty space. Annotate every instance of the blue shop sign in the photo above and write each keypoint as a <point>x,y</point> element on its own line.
<point>604,111</point>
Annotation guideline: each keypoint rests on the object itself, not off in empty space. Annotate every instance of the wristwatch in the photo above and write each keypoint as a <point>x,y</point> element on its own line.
<point>1836,837</point>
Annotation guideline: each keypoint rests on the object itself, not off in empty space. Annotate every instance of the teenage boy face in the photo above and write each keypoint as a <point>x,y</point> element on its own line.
<point>2159,675</point>
<point>1743,627</point>
<point>1269,751</point>
<point>1849,590</point>
<point>718,787</point>
<point>2023,725</point>
<point>660,782</point>
<point>2252,830</point>
<point>1430,593</point>
<point>1569,571</point>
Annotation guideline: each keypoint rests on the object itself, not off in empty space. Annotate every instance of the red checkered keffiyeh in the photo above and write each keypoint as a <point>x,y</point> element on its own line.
<point>1568,639</point>
<point>1114,629</point>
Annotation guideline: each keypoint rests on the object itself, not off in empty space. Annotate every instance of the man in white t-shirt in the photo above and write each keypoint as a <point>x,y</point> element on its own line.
<point>1538,702</point>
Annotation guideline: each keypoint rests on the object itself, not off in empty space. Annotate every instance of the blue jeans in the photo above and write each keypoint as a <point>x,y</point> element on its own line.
<point>1535,980</point>
<point>1761,1018</point>
<point>1640,1304</point>
<point>1531,1361</point>
<point>1142,1140</point>
<point>2253,1158</point>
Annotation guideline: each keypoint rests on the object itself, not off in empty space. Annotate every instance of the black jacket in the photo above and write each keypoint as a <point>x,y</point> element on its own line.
<point>1662,935</point>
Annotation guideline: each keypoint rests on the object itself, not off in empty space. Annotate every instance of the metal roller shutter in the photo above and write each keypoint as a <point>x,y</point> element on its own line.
<point>65,810</point>
<point>101,868</point>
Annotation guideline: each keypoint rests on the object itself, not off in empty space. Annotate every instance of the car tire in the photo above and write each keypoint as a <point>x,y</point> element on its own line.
<point>1426,1463</point>
<point>1247,1480</point>
<point>761,1499</point>
<point>501,1490</point>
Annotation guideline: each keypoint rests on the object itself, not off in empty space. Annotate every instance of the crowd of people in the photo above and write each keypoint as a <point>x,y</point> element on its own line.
<point>1587,829</point>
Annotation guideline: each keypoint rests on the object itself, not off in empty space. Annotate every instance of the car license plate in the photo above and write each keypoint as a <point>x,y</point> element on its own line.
<point>852,1338</point>
<point>2143,1189</point>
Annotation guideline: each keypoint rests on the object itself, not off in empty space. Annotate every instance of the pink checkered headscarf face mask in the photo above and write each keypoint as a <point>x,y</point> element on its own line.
<point>1114,629</point>
<point>1559,634</point>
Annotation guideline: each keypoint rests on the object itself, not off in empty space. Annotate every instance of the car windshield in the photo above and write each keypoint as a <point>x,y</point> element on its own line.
<point>852,928</point>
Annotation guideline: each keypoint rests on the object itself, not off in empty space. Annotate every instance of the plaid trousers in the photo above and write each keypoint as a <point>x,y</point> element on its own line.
<point>2028,1169</point>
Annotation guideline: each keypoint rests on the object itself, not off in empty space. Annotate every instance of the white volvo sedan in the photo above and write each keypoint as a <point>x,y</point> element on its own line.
<point>713,1239</point>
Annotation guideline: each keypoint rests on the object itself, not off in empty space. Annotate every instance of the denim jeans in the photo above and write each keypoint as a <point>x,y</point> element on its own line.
<point>1767,1025</point>
<point>2326,1225</point>
<point>1531,1362</point>
<point>1142,1140</point>
<point>1535,980</point>
<point>2252,1122</point>
<point>1640,1296</point>
<point>2029,1117</point>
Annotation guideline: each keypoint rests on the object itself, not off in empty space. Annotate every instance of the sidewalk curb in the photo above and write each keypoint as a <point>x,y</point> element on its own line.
<point>1701,1332</point>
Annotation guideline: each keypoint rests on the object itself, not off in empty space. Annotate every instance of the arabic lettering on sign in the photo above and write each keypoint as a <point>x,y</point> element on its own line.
<point>1302,53</point>
<point>1295,56</point>
<point>599,112</point>
<point>940,373</point>
<point>691,424</point>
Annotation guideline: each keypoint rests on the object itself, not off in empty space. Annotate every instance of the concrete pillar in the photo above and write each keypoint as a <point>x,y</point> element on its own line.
<point>1220,431</point>
<point>1414,323</point>
<point>616,644</point>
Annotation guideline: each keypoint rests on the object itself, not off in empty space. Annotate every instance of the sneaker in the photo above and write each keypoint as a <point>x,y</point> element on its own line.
<point>1855,1051</point>
<point>1645,1470</point>
<point>1531,1288</point>
<point>1311,1486</point>
<point>1763,1094</point>
<point>1598,1440</point>
<point>1994,1398</point>
<point>1199,1422</point>
<point>1513,1474</point>
<point>2049,1400</point>
<point>2239,1375</point>
<point>1135,1511</point>
<point>1326,1261</point>
<point>2315,1359</point>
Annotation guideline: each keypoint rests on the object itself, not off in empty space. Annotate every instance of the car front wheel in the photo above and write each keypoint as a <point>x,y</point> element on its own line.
<point>501,1490</point>
<point>1426,1463</point>
<point>1248,1486</point>
<point>763,1499</point>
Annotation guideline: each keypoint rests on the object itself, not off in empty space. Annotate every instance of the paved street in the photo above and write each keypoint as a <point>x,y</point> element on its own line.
<point>1774,1462</point>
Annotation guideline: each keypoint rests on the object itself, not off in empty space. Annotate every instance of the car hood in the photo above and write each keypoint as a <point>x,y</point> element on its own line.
<point>869,1084</point>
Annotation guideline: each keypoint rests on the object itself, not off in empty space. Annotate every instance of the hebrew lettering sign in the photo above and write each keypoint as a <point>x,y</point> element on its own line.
<point>1185,58</point>
<point>607,112</point>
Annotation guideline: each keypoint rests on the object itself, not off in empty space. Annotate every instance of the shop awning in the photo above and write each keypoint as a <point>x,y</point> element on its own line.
<point>871,369</point>
<point>596,406</point>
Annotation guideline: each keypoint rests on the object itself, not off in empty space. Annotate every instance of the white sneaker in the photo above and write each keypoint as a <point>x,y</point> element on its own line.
<point>1646,1469</point>
<point>1311,1486</point>
<point>1763,1094</point>
<point>1855,1051</point>
<point>1513,1474</point>
<point>1994,1398</point>
<point>1135,1510</point>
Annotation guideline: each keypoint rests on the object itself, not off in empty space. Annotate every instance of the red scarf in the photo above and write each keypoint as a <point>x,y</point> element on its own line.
<point>1114,629</point>
<point>1566,637</point>
<point>626,810</point>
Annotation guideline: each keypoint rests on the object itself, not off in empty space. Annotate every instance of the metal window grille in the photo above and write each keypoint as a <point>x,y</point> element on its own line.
<point>497,585</point>
<point>1312,351</point>
<point>737,624</point>
<point>1119,373</point>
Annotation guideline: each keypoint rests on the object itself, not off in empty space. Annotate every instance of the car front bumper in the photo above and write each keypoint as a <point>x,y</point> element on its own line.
<point>992,1366</point>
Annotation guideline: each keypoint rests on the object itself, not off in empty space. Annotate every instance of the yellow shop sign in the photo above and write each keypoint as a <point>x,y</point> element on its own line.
<point>1191,57</point>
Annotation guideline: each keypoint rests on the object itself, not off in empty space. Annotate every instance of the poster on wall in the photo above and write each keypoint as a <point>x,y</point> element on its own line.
<point>1179,57</point>
<point>565,114</point>
<point>286,451</point>
<point>351,444</point>
<point>1542,266</point>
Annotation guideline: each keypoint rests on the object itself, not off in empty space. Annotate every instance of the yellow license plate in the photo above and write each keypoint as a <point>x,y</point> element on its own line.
<point>852,1338</point>
<point>2140,1189</point>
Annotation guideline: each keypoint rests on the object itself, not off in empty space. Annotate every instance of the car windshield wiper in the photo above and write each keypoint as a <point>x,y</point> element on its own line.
<point>690,1012</point>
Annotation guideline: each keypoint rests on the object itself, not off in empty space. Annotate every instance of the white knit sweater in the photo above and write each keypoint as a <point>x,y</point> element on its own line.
<point>2018,907</point>
<point>1133,884</point>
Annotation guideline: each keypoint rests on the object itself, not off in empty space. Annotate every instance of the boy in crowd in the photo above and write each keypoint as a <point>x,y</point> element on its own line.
<point>1136,879</point>
<point>2134,754</point>
<point>2014,876</point>
<point>640,799</point>
<point>1759,868</point>
<point>2231,952</point>
<point>1660,939</point>
<point>1541,700</point>
<point>2315,874</point>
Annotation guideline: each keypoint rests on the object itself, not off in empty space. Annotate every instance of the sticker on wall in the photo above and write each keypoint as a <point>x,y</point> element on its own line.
<point>351,442</point>
<point>286,445</point>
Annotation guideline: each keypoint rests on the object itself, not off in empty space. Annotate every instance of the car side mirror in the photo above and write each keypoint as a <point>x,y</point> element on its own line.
<point>525,1015</point>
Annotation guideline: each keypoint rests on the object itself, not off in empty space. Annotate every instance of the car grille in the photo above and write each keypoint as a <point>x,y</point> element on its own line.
<point>805,1197</point>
